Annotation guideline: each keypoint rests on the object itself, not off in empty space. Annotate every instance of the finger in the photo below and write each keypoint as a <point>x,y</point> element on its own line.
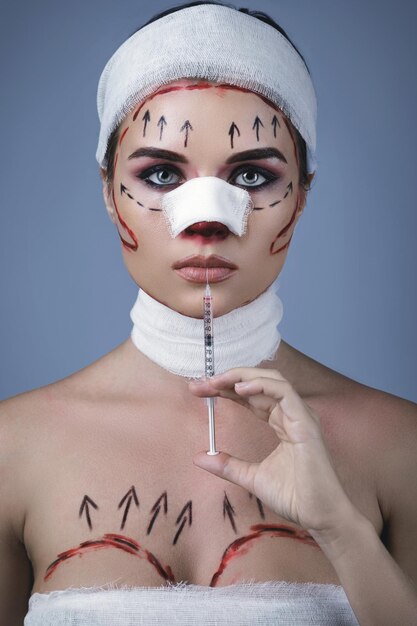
<point>228,467</point>
<point>243,374</point>
<point>204,389</point>
<point>280,392</point>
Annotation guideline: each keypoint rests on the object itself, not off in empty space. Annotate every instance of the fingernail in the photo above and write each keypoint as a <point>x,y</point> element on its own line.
<point>241,385</point>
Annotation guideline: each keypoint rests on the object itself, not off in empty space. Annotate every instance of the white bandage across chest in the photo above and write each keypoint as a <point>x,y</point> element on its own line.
<point>244,604</point>
<point>207,199</point>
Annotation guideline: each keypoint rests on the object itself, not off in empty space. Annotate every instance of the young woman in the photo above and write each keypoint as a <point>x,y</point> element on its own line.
<point>109,496</point>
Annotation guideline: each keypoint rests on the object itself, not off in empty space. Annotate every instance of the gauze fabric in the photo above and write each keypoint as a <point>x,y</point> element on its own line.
<point>209,42</point>
<point>244,604</point>
<point>207,199</point>
<point>242,338</point>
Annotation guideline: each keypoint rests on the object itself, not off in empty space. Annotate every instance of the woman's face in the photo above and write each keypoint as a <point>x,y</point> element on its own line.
<point>185,131</point>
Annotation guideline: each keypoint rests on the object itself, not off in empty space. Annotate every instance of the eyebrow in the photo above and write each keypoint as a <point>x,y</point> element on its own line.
<point>157,153</point>
<point>258,153</point>
<point>246,155</point>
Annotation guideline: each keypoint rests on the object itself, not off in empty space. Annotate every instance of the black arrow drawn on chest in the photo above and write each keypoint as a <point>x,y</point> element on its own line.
<point>233,128</point>
<point>130,495</point>
<point>185,515</point>
<point>162,501</point>
<point>229,511</point>
<point>162,122</point>
<point>187,127</point>
<point>257,123</point>
<point>260,506</point>
<point>146,118</point>
<point>275,123</point>
<point>85,506</point>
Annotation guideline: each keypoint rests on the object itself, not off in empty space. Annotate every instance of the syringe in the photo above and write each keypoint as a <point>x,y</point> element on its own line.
<point>209,362</point>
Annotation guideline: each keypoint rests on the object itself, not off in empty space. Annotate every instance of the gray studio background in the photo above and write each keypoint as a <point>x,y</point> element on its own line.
<point>348,287</point>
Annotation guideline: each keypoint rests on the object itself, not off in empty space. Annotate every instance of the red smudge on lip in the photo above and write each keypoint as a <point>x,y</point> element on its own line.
<point>123,136</point>
<point>111,540</point>
<point>239,547</point>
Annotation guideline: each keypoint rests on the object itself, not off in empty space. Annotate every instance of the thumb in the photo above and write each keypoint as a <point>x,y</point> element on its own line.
<point>228,467</point>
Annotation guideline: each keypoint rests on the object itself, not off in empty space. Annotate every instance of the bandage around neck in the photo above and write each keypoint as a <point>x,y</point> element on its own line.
<point>207,199</point>
<point>242,338</point>
<point>209,42</point>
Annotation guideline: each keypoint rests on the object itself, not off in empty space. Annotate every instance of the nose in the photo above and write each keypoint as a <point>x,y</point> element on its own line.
<point>208,230</point>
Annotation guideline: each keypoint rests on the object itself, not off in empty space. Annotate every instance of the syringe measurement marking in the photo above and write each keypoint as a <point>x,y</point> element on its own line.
<point>209,363</point>
<point>208,337</point>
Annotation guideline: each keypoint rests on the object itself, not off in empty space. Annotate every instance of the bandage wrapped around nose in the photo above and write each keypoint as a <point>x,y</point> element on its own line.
<point>207,199</point>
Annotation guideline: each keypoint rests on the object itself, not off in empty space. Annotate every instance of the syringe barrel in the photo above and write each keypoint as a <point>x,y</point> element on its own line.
<point>208,336</point>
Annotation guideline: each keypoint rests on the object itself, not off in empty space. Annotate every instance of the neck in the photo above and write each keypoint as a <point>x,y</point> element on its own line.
<point>242,338</point>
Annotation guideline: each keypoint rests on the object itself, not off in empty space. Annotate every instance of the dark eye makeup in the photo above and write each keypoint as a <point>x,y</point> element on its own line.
<point>246,176</point>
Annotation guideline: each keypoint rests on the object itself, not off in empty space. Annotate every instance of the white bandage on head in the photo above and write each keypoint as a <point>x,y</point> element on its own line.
<point>209,42</point>
<point>207,199</point>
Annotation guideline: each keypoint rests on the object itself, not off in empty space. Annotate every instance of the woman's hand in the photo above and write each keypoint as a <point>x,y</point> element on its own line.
<point>297,480</point>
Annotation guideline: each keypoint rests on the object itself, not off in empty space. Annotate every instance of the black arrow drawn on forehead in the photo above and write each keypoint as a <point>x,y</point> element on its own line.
<point>187,127</point>
<point>275,123</point>
<point>146,118</point>
<point>232,130</point>
<point>257,123</point>
<point>162,121</point>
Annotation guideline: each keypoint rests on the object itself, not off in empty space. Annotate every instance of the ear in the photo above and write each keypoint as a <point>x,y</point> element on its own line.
<point>302,197</point>
<point>108,196</point>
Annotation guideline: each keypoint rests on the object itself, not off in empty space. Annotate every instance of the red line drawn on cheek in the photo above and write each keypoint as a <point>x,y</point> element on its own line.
<point>111,540</point>
<point>282,233</point>
<point>126,244</point>
<point>240,546</point>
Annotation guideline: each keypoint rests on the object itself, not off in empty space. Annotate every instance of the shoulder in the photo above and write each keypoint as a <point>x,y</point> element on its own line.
<point>378,430</point>
<point>30,425</point>
<point>18,415</point>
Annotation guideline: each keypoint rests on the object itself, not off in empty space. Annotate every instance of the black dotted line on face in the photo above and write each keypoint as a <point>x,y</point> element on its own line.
<point>125,190</point>
<point>287,192</point>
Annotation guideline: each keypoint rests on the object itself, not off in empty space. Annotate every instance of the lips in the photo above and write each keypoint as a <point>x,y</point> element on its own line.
<point>199,269</point>
<point>201,261</point>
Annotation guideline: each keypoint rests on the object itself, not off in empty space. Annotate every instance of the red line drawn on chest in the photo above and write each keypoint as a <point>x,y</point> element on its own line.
<point>239,547</point>
<point>112,540</point>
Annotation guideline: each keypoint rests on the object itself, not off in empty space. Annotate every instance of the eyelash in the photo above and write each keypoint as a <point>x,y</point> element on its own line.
<point>242,169</point>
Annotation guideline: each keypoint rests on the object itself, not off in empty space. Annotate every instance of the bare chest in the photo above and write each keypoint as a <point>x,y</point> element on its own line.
<point>121,503</point>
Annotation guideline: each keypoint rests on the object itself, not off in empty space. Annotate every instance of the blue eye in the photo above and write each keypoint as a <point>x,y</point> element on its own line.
<point>250,178</point>
<point>163,177</point>
<point>253,178</point>
<point>160,176</point>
